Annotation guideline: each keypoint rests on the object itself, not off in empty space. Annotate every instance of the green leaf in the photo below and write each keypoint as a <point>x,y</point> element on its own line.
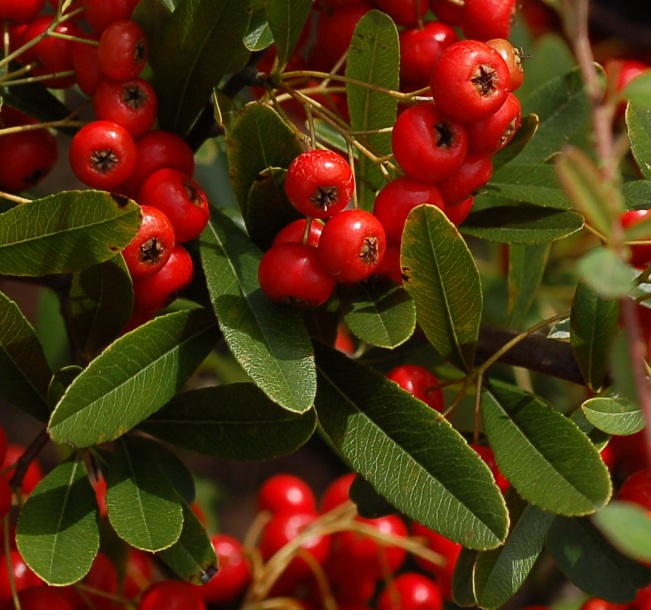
<point>598,438</point>
<point>593,323</point>
<point>527,264</point>
<point>259,140</point>
<point>143,506</point>
<point>60,382</point>
<point>268,339</point>
<point>192,557</point>
<point>582,553</point>
<point>57,533</point>
<point>587,190</point>
<point>499,573</point>
<point>441,276</point>
<point>100,304</point>
<point>637,194</point>
<point>528,128</point>
<point>606,273</point>
<point>65,232</point>
<point>379,313</point>
<point>286,21</point>
<point>532,443</point>
<point>525,224</point>
<point>638,91</point>
<point>628,527</point>
<point>25,370</point>
<point>613,415</point>
<point>192,54</point>
<point>373,58</point>
<point>408,452</point>
<point>234,421</point>
<point>133,378</point>
<point>258,36</point>
<point>463,586</point>
<point>369,503</point>
<point>536,184</point>
<point>151,16</point>
<point>175,469</point>
<point>638,124</point>
<point>622,368</point>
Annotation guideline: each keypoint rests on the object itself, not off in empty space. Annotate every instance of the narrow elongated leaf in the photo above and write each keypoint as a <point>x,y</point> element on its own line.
<point>133,378</point>
<point>373,58</point>
<point>286,21</point>
<point>408,452</point>
<point>369,503</point>
<point>151,16</point>
<point>638,124</point>
<point>143,506</point>
<point>527,264</point>
<point>531,442</point>
<point>57,532</point>
<point>441,276</point>
<point>584,555</point>
<point>192,54</point>
<point>499,573</point>
<point>25,370</point>
<point>536,184</point>
<point>258,140</point>
<point>381,314</point>
<point>593,323</point>
<point>524,224</point>
<point>614,415</point>
<point>65,232</point>
<point>606,273</point>
<point>100,304</point>
<point>192,557</point>
<point>463,586</point>
<point>175,469</point>
<point>269,340</point>
<point>628,527</point>
<point>235,421</point>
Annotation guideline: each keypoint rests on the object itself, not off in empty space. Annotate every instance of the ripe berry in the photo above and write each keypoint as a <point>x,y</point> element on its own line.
<point>389,266</point>
<point>34,472</point>
<point>139,573</point>
<point>420,383</point>
<point>132,104</point>
<point>295,232</point>
<point>420,48</point>
<point>337,492</point>
<point>426,144</point>
<point>20,11</point>
<point>403,12</point>
<point>180,198</point>
<point>123,48</point>
<point>102,154</point>
<point>171,595</point>
<point>470,81</point>
<point>234,573</point>
<point>41,598</point>
<point>293,273</point>
<point>493,133</point>
<point>475,24</point>
<point>99,13</point>
<point>319,183</point>
<point>85,64</point>
<point>3,445</point>
<point>102,576</point>
<point>26,158</point>
<point>23,577</point>
<point>637,489</point>
<point>640,253</point>
<point>352,245</point>
<point>474,173</point>
<point>513,58</point>
<point>447,12</point>
<point>5,497</point>
<point>410,591</point>
<point>285,492</point>
<point>486,454</point>
<point>458,212</point>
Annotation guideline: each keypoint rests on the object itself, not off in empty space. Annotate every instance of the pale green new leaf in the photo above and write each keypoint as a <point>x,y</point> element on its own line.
<point>613,415</point>
<point>286,21</point>
<point>628,527</point>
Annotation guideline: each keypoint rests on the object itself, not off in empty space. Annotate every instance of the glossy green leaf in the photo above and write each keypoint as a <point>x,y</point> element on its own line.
<point>25,370</point>
<point>192,54</point>
<point>65,232</point>
<point>637,193</point>
<point>408,452</point>
<point>258,36</point>
<point>463,586</point>
<point>133,378</point>
<point>100,304</point>
<point>523,224</point>
<point>441,276</point>
<point>597,437</point>
<point>527,264</point>
<point>258,140</point>
<point>621,368</point>
<point>499,573</point>
<point>286,21</point>
<point>234,421</point>
<point>534,183</point>
<point>57,533</point>
<point>613,415</point>
<point>369,503</point>
<point>379,313</point>
<point>176,470</point>
<point>151,16</point>
<point>587,190</point>
<point>143,506</point>
<point>528,128</point>
<point>606,273</point>
<point>373,58</point>
<point>584,555</point>
<point>628,527</point>
<point>192,557</point>
<point>268,339</point>
<point>638,91</point>
<point>60,382</point>
<point>532,442</point>
<point>638,124</point>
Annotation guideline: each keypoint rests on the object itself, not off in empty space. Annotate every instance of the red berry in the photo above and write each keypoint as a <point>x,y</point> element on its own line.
<point>152,246</point>
<point>389,266</point>
<point>3,445</point>
<point>447,11</point>
<point>493,133</point>
<point>337,492</point>
<point>640,253</point>
<point>486,454</point>
<point>474,173</point>
<point>293,273</point>
<point>102,576</point>
<point>352,245</point>
<point>23,577</point>
<point>594,603</point>
<point>420,383</point>
<point>20,11</point>
<point>139,573</point>
<point>99,13</point>
<point>153,292</point>
<point>428,145</point>
<point>476,23</point>
<point>285,493</point>
<point>5,497</point>
<point>410,591</point>
<point>295,232</point>
<point>123,48</point>
<point>403,12</point>
<point>319,183</point>
<point>513,59</point>
<point>180,198</point>
<point>172,595</point>
<point>234,573</point>
<point>26,158</point>
<point>102,155</point>
<point>85,64</point>
<point>470,81</point>
<point>41,598</point>
<point>132,104</point>
<point>34,473</point>
<point>458,212</point>
<point>420,48</point>
<point>637,489</point>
